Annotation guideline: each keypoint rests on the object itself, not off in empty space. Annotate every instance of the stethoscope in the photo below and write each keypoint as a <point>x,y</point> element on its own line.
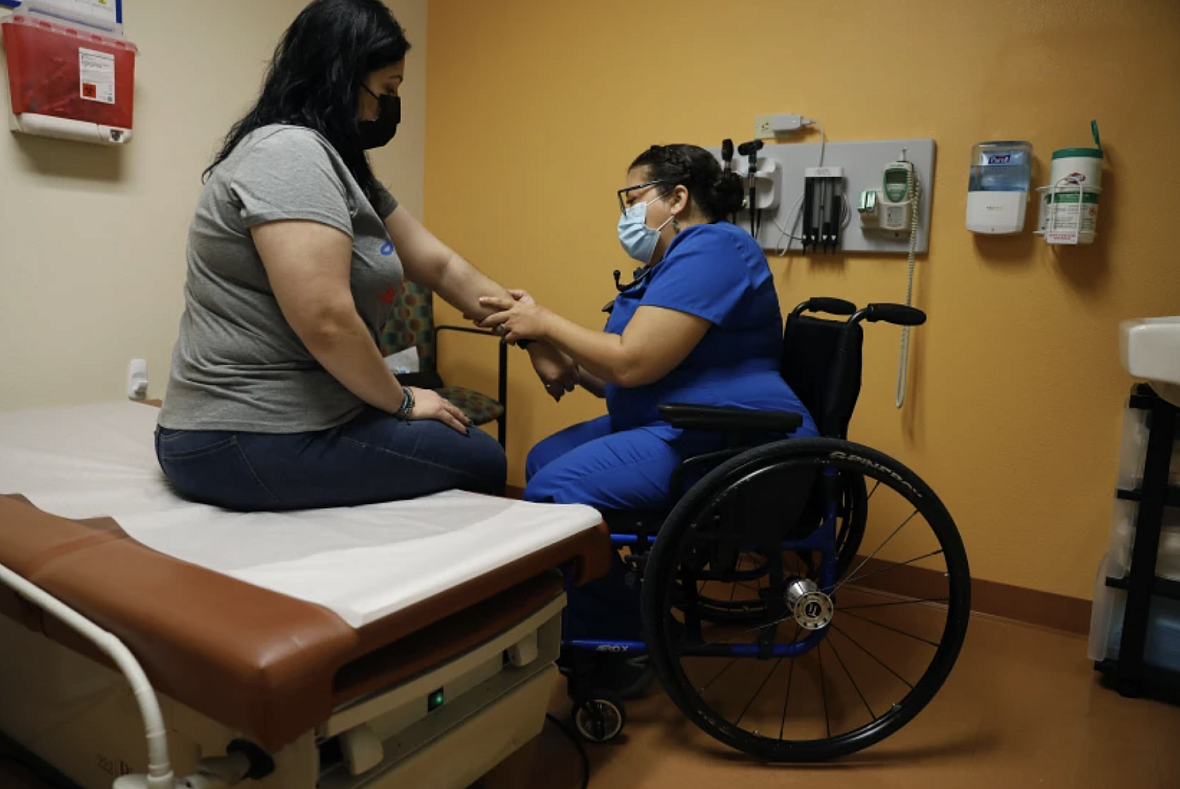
<point>638,276</point>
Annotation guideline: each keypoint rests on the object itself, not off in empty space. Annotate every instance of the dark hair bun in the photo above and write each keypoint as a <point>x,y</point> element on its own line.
<point>726,196</point>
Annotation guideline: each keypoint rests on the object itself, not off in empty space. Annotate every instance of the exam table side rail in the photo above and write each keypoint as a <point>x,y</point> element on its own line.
<point>159,774</point>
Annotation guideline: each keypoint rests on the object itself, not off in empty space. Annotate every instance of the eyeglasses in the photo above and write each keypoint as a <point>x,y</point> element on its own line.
<point>623,203</point>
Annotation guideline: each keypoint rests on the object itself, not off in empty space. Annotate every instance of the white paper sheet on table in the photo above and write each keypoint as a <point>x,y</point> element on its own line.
<point>364,563</point>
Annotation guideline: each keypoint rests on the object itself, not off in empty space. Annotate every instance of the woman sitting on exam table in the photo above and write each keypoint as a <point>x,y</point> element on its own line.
<point>278,396</point>
<point>701,324</point>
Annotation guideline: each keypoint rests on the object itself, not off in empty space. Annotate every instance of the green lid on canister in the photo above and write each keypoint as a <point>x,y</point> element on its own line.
<point>1070,153</point>
<point>1083,153</point>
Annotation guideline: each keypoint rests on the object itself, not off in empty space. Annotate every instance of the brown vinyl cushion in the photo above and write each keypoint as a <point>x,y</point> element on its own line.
<point>266,664</point>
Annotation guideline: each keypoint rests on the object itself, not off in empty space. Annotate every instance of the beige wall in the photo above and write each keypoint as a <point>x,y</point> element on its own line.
<point>92,239</point>
<point>400,164</point>
<point>1014,409</point>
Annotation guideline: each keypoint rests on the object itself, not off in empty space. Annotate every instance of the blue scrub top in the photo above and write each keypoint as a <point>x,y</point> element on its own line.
<point>719,273</point>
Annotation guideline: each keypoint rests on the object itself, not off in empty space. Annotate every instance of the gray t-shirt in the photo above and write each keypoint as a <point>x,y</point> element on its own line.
<point>237,364</point>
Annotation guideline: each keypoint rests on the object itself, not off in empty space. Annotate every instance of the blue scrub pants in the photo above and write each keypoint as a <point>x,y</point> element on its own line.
<point>588,464</point>
<point>627,470</point>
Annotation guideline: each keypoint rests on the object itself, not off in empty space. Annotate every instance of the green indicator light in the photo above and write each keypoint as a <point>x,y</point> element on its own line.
<point>435,700</point>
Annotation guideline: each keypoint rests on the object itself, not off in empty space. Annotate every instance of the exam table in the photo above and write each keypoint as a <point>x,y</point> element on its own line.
<point>408,644</point>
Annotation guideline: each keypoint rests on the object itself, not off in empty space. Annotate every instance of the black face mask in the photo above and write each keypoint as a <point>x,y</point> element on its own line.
<point>376,133</point>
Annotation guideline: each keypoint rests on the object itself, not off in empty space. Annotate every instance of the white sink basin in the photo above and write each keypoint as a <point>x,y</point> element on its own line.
<point>1149,349</point>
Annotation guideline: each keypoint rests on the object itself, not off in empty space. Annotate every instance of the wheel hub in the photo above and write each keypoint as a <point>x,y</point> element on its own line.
<point>812,608</point>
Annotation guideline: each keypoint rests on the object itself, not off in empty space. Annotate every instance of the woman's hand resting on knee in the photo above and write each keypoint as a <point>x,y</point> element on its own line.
<point>429,404</point>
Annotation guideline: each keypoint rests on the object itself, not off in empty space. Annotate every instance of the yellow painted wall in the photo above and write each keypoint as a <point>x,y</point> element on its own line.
<point>536,107</point>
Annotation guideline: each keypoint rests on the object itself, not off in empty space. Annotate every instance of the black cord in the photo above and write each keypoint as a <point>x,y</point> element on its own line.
<point>753,200</point>
<point>577,744</point>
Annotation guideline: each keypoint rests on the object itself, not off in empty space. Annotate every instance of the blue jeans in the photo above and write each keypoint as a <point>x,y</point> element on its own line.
<point>374,457</point>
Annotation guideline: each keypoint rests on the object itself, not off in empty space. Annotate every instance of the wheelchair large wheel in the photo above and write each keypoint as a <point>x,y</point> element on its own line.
<point>838,660</point>
<point>736,601</point>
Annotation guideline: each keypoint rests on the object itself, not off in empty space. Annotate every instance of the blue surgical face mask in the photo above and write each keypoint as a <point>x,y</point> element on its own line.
<point>637,238</point>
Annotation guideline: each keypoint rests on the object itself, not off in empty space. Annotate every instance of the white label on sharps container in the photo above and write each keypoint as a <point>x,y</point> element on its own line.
<point>98,75</point>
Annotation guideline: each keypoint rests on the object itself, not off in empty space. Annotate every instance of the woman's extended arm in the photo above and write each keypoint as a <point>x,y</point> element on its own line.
<point>430,262</point>
<point>655,341</point>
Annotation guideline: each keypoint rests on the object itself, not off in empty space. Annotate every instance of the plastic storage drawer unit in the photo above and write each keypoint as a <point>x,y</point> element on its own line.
<point>1162,646</point>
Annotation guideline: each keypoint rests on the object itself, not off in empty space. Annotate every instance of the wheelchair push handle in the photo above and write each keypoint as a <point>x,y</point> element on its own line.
<point>897,314</point>
<point>826,304</point>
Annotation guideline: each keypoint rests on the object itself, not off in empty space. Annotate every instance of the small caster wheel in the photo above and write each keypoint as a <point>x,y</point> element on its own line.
<point>599,716</point>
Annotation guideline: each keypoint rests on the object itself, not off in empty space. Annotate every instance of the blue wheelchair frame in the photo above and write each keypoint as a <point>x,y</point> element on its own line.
<point>821,359</point>
<point>821,540</point>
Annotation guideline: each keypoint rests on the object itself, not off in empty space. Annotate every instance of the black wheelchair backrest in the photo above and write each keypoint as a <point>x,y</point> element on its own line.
<point>821,362</point>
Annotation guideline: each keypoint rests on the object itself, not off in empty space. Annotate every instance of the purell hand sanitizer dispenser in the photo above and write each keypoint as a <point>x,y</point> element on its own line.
<point>998,190</point>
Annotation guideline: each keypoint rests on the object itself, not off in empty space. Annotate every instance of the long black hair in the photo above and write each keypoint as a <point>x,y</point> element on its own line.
<point>717,193</point>
<point>316,74</point>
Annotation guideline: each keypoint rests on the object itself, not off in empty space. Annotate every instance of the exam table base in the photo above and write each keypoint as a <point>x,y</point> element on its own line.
<point>80,717</point>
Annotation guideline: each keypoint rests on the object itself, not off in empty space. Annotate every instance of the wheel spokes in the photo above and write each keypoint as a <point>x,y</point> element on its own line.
<point>786,700</point>
<point>899,602</point>
<point>750,703</point>
<point>874,657</point>
<point>848,673</point>
<point>895,630</point>
<point>890,567</point>
<point>739,706</point>
<point>878,549</point>
<point>718,675</point>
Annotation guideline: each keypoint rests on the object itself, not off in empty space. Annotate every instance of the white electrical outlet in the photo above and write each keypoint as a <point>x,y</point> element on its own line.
<point>771,126</point>
<point>137,380</point>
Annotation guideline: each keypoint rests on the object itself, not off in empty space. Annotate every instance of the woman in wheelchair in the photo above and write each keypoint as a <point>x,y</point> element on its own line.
<point>700,324</point>
<point>845,618</point>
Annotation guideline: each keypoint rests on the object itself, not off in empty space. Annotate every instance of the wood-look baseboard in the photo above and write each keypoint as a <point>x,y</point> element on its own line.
<point>1042,609</point>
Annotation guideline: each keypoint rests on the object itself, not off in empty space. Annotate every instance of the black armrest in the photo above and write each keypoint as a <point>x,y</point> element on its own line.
<point>502,376</point>
<point>829,305</point>
<point>707,417</point>
<point>430,379</point>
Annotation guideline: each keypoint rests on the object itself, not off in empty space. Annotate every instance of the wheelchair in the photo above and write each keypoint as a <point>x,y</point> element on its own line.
<point>803,599</point>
